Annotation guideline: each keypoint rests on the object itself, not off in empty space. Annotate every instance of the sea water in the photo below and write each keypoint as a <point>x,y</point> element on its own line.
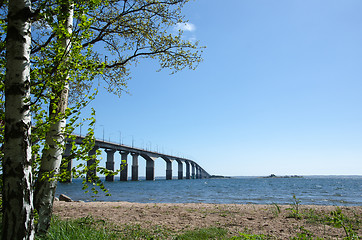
<point>339,191</point>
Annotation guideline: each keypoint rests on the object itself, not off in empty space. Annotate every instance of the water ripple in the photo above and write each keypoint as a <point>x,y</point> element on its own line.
<point>311,190</point>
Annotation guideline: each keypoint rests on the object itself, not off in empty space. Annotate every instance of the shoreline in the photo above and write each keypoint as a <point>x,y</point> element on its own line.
<point>264,219</point>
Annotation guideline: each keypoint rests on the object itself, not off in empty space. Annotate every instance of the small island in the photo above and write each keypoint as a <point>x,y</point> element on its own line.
<point>274,176</point>
<point>218,176</point>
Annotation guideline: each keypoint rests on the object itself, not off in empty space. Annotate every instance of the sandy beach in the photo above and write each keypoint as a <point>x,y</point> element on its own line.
<point>257,219</point>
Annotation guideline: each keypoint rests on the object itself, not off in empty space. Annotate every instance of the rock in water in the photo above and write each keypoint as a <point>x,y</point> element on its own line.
<point>65,198</point>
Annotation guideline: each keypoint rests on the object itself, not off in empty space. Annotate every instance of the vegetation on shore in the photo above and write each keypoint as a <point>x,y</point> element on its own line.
<point>91,228</point>
<point>87,228</point>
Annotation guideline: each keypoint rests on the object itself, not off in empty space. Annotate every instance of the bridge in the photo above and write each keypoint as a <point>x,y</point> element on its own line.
<point>197,172</point>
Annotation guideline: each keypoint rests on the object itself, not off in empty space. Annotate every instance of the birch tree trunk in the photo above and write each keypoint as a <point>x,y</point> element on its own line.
<point>17,168</point>
<point>46,184</point>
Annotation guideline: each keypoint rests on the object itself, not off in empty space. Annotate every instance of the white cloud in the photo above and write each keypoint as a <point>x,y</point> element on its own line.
<point>185,27</point>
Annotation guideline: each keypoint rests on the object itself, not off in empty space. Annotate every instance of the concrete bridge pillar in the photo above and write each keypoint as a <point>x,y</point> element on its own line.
<point>150,169</point>
<point>110,164</point>
<point>169,170</point>
<point>135,166</point>
<point>180,169</point>
<point>67,164</point>
<point>91,164</point>
<point>187,170</point>
<point>193,176</point>
<point>197,172</point>
<point>168,167</point>
<point>124,166</point>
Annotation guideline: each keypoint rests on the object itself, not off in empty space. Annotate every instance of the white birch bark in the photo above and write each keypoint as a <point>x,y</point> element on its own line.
<point>17,170</point>
<point>55,139</point>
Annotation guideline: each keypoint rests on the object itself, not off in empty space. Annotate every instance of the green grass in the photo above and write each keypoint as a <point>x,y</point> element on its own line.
<point>246,236</point>
<point>80,229</point>
<point>131,232</point>
<point>204,233</point>
<point>89,228</point>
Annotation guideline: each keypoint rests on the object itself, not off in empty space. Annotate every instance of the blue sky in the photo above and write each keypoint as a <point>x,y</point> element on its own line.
<point>279,91</point>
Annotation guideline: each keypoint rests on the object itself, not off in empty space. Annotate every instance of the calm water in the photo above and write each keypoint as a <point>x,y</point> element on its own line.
<point>345,191</point>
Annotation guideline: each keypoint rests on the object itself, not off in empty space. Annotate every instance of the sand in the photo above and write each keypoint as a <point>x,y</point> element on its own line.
<point>256,219</point>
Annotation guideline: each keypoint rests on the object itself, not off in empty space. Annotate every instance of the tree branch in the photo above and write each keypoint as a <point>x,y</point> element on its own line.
<point>39,47</point>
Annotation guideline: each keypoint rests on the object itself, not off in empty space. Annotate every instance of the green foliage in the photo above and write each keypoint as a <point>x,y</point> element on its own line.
<point>336,219</point>
<point>204,233</point>
<point>339,220</point>
<point>295,213</point>
<point>276,210</point>
<point>246,236</point>
<point>311,216</point>
<point>305,235</point>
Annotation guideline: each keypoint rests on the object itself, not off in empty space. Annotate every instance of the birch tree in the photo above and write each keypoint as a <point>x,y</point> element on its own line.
<point>128,31</point>
<point>55,137</point>
<point>96,48</point>
<point>17,172</point>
